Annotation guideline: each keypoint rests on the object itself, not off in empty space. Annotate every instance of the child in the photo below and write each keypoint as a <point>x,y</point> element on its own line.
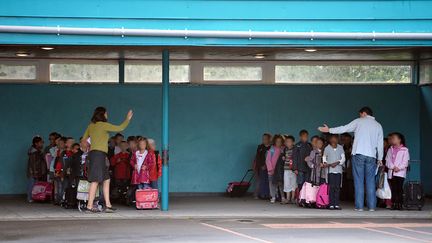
<point>56,154</point>
<point>36,166</point>
<point>61,170</point>
<point>118,139</point>
<point>74,165</point>
<point>52,139</point>
<point>271,159</point>
<point>315,162</point>
<point>334,160</point>
<point>156,169</point>
<point>301,150</point>
<point>121,164</point>
<point>131,140</point>
<point>142,161</point>
<point>261,175</point>
<point>397,163</point>
<point>290,177</point>
<point>314,140</point>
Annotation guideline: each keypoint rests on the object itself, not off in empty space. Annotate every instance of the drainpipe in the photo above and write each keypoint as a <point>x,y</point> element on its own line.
<point>217,33</point>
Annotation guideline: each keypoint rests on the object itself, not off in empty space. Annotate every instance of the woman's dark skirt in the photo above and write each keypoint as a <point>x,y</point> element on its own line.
<point>98,166</point>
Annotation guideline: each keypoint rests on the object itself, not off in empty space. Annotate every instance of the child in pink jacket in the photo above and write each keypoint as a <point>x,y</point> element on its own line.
<point>272,158</point>
<point>142,160</point>
<point>397,160</point>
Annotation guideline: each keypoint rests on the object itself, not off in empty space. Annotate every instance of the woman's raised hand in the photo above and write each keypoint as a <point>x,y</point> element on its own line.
<point>129,115</point>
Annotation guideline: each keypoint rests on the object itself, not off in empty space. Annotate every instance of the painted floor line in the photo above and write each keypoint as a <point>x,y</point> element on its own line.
<point>335,225</point>
<point>415,231</point>
<point>236,233</point>
<point>396,235</point>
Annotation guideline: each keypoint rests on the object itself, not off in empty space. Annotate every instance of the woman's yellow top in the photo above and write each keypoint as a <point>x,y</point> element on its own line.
<point>99,134</point>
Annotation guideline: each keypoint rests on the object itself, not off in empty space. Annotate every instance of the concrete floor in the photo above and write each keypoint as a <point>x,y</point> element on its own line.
<point>219,230</point>
<point>212,219</point>
<point>199,208</point>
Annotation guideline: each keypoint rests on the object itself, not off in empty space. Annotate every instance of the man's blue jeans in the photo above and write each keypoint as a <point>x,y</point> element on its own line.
<point>364,168</point>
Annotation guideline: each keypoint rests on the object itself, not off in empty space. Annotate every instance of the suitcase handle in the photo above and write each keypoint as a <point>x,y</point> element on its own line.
<point>247,172</point>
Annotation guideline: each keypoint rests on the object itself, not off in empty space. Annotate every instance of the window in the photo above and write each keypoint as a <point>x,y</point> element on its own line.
<point>17,72</point>
<point>232,73</point>
<point>426,72</point>
<point>152,73</point>
<point>333,73</point>
<point>84,72</point>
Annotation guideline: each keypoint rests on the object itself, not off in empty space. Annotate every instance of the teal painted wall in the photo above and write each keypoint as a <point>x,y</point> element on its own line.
<point>214,129</point>
<point>255,15</point>
<point>426,139</point>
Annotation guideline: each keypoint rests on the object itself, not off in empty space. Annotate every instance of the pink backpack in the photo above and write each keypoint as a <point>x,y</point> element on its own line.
<point>322,197</point>
<point>308,193</point>
<point>42,191</point>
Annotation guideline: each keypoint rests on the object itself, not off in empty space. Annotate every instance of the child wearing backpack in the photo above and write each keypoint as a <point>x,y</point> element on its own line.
<point>36,166</point>
<point>156,169</point>
<point>397,161</point>
<point>61,169</point>
<point>272,158</point>
<point>334,160</point>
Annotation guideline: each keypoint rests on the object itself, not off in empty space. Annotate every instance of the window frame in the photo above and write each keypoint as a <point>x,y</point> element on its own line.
<point>199,69</point>
<point>83,62</point>
<point>153,62</point>
<point>25,62</point>
<point>345,63</point>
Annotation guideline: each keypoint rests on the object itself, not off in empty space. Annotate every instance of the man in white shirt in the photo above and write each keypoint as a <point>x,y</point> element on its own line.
<point>367,149</point>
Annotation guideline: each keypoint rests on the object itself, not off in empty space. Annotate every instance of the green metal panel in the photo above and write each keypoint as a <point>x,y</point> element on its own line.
<point>317,15</point>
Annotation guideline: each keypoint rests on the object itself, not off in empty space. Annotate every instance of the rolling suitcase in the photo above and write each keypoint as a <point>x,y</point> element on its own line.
<point>239,189</point>
<point>147,198</point>
<point>42,191</point>
<point>413,195</point>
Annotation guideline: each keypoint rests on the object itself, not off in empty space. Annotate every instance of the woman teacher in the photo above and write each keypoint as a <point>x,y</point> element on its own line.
<point>98,165</point>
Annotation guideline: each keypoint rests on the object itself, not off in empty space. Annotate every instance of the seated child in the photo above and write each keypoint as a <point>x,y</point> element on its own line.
<point>334,160</point>
<point>397,161</point>
<point>121,164</point>
<point>315,162</point>
<point>142,160</point>
<point>271,160</point>
<point>36,165</point>
<point>156,169</point>
<point>290,177</point>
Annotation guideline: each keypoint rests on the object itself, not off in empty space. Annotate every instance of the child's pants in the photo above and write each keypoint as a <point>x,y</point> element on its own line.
<point>144,186</point>
<point>396,185</point>
<point>334,180</point>
<point>274,188</point>
<point>154,184</point>
<point>30,184</point>
<point>59,188</point>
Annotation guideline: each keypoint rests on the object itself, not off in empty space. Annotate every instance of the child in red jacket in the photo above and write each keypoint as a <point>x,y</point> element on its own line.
<point>156,169</point>
<point>142,160</point>
<point>121,164</point>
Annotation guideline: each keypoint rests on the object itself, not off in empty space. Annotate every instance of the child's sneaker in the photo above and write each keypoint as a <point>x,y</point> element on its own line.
<point>273,200</point>
<point>337,207</point>
<point>332,207</point>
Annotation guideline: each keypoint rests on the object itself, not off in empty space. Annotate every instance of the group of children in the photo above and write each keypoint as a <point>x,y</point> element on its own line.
<point>282,166</point>
<point>63,162</point>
